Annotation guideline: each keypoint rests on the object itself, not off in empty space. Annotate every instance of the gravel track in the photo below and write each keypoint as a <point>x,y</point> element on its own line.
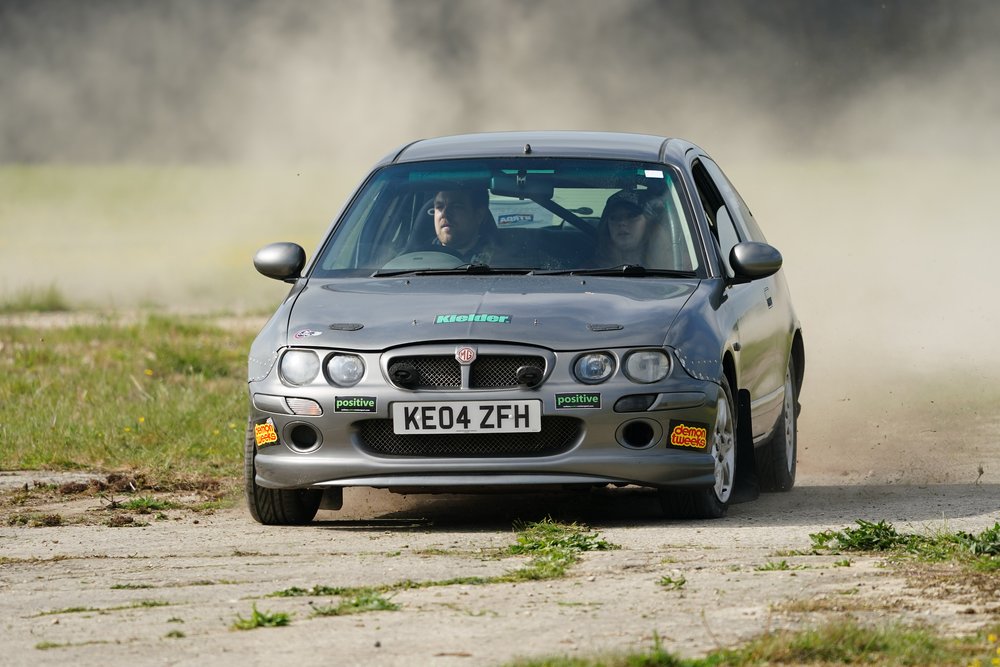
<point>209,568</point>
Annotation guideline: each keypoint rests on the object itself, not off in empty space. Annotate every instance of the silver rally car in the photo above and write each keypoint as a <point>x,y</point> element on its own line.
<point>522,311</point>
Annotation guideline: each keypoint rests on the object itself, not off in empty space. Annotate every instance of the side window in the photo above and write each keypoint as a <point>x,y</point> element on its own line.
<point>743,214</point>
<point>719,216</point>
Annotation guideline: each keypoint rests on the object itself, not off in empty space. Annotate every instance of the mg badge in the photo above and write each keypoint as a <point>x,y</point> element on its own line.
<point>465,355</point>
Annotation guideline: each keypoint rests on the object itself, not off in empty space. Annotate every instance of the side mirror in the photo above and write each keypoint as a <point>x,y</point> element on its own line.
<point>751,261</point>
<point>281,261</point>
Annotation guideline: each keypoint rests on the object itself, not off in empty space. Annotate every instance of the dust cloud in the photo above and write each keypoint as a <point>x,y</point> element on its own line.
<point>865,137</point>
<point>327,80</point>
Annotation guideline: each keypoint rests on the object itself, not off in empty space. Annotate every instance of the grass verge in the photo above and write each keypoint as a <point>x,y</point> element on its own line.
<point>35,300</point>
<point>164,396</point>
<point>836,643</point>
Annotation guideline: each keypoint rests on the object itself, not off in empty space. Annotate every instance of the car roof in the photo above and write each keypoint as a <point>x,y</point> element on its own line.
<point>609,145</point>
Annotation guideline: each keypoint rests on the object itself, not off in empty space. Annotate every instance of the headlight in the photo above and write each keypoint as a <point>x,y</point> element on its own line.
<point>299,367</point>
<point>594,367</point>
<point>345,369</point>
<point>647,366</point>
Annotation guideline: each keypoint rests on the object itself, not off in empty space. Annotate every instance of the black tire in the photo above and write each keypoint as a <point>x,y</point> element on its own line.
<point>275,507</point>
<point>776,459</point>
<point>711,502</point>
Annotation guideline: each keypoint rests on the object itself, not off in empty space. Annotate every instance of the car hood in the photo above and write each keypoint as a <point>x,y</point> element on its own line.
<point>557,312</point>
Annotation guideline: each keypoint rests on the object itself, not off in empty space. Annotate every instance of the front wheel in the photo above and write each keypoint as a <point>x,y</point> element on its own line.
<point>776,458</point>
<point>712,502</point>
<point>275,507</point>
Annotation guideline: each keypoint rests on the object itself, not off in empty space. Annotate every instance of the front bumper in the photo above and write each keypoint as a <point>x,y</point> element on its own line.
<point>579,444</point>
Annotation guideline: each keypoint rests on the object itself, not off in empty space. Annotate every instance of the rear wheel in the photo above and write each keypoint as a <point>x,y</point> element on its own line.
<point>275,507</point>
<point>711,502</point>
<point>776,458</point>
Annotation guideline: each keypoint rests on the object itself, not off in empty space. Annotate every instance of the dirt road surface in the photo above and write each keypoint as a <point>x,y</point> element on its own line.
<point>168,592</point>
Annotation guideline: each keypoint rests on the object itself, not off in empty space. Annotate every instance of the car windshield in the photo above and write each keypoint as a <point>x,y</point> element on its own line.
<point>515,215</point>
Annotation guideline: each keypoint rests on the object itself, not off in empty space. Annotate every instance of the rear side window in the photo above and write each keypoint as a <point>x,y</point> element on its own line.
<point>730,194</point>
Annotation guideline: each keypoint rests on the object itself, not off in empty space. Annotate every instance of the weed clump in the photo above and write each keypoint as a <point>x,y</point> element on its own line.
<point>261,619</point>
<point>981,550</point>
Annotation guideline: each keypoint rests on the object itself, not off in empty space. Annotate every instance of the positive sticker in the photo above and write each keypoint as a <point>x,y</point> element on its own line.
<point>688,434</point>
<point>577,400</point>
<point>354,404</point>
<point>264,433</point>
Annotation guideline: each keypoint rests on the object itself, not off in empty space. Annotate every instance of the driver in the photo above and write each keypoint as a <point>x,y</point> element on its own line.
<point>464,225</point>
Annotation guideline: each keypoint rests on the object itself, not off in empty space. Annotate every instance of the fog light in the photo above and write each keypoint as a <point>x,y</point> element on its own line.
<point>303,437</point>
<point>304,406</point>
<point>634,403</point>
<point>639,433</point>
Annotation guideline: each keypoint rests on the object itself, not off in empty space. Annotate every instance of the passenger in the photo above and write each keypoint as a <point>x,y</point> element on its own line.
<point>624,235</point>
<point>464,225</point>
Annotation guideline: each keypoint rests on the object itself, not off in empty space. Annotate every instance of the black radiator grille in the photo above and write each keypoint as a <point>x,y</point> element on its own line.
<point>500,371</point>
<point>432,372</point>
<point>489,371</point>
<point>558,434</point>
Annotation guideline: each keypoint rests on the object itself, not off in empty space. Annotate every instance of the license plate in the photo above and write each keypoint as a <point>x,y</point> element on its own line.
<point>467,417</point>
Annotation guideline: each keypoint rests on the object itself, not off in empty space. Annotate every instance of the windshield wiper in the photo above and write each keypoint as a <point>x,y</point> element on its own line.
<point>462,270</point>
<point>626,270</point>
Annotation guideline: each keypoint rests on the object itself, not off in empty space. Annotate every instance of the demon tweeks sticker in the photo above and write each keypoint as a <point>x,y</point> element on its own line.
<point>688,434</point>
<point>264,434</point>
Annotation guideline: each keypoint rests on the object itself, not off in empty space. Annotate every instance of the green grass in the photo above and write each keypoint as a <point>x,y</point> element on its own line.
<point>980,551</point>
<point>145,504</point>
<point>363,601</point>
<point>48,646</point>
<point>554,547</point>
<point>261,619</point>
<point>141,604</point>
<point>165,396</point>
<point>777,566</point>
<point>672,583</point>
<point>35,300</point>
<point>836,643</point>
